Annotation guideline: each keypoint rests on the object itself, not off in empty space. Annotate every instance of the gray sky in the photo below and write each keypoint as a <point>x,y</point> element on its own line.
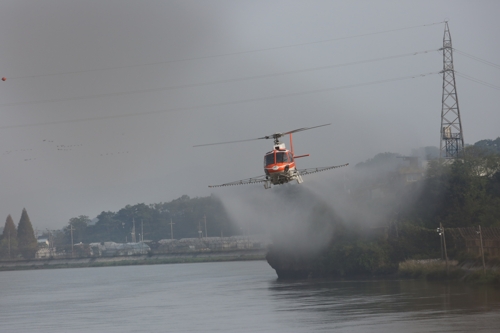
<point>182,71</point>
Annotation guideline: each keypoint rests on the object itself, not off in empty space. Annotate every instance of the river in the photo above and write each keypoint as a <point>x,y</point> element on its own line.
<point>234,297</point>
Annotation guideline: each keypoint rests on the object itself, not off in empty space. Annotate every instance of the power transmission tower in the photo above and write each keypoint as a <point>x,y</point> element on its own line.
<point>452,136</point>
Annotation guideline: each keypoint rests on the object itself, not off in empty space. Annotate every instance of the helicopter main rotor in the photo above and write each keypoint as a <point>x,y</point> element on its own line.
<point>275,136</point>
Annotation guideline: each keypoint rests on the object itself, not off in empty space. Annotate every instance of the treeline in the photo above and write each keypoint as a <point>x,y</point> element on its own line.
<point>488,145</point>
<point>184,217</point>
<point>465,193</point>
<point>386,220</point>
<point>18,241</point>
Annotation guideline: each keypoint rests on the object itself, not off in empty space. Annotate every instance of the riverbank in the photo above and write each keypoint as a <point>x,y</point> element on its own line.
<point>155,259</point>
<point>468,271</point>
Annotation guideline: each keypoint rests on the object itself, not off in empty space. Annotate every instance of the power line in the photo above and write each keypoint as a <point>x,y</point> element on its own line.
<point>473,57</point>
<point>303,93</point>
<point>230,53</point>
<point>484,83</point>
<point>193,85</point>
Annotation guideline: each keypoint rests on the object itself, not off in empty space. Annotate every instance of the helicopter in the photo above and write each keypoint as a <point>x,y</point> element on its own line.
<point>279,163</point>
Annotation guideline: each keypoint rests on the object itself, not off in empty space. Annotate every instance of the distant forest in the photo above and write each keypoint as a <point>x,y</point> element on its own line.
<point>151,222</point>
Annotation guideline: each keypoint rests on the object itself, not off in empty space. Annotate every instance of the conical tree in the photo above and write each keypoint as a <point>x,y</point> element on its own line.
<point>8,245</point>
<point>26,237</point>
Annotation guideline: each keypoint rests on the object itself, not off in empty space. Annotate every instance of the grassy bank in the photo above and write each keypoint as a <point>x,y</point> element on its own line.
<point>129,261</point>
<point>437,270</point>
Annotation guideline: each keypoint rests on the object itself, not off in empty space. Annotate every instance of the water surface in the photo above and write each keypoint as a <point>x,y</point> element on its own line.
<point>234,297</point>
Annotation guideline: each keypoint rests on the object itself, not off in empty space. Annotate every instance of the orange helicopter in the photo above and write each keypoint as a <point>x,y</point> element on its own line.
<point>279,163</point>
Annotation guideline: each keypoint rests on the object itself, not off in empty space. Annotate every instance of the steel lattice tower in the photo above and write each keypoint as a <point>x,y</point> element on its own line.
<point>452,137</point>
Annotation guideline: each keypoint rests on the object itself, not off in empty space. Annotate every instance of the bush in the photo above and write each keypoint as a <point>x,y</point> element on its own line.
<point>490,277</point>
<point>430,269</point>
<point>357,258</point>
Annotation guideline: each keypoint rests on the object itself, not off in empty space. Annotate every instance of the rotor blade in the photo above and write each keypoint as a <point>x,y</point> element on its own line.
<point>223,143</point>
<point>272,136</point>
<point>253,180</point>
<point>304,128</point>
<point>279,135</point>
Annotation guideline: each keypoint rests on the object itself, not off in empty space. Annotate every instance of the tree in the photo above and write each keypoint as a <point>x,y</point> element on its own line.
<point>464,193</point>
<point>8,245</point>
<point>26,237</point>
<point>79,225</point>
<point>490,145</point>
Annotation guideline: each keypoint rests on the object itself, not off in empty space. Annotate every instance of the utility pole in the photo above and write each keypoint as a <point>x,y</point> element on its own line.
<point>440,230</point>
<point>445,252</point>
<point>171,229</point>
<point>482,249</point>
<point>205,219</point>
<point>123,227</point>
<point>50,242</point>
<point>48,238</point>
<point>452,137</point>
<point>72,249</point>
<point>142,231</point>
<point>133,230</point>
<point>9,242</point>
<point>442,254</point>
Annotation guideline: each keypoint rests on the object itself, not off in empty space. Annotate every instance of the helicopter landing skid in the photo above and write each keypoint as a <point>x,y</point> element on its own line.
<point>299,179</point>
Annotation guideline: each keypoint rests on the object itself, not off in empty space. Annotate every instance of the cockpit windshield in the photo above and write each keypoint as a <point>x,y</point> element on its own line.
<point>269,159</point>
<point>281,157</point>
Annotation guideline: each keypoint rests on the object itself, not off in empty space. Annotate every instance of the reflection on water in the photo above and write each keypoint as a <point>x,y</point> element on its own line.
<point>392,305</point>
<point>234,297</point>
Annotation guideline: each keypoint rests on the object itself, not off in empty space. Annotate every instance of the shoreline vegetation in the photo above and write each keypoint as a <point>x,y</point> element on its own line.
<point>155,259</point>
<point>468,271</point>
<point>431,269</point>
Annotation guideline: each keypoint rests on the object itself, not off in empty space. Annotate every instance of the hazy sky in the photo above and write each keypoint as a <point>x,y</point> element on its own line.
<point>104,99</point>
